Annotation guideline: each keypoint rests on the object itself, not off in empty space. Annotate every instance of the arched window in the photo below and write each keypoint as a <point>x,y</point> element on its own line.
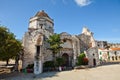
<point>113,58</point>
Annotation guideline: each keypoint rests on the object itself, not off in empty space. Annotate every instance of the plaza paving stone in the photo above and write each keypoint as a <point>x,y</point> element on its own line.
<point>107,72</point>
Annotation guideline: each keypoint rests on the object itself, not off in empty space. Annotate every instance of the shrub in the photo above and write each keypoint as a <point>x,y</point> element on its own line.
<point>82,60</point>
<point>49,64</point>
<point>59,61</point>
<point>85,61</point>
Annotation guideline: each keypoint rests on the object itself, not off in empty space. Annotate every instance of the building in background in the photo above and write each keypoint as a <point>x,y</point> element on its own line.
<point>108,52</point>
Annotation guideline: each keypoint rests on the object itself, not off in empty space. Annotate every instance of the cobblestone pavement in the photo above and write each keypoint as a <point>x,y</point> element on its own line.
<point>107,72</point>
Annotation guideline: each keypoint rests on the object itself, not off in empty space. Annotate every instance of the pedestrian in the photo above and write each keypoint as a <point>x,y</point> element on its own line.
<point>60,69</point>
<point>19,65</point>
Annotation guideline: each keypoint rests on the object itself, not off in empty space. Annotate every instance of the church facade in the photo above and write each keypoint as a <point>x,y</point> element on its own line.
<point>41,26</point>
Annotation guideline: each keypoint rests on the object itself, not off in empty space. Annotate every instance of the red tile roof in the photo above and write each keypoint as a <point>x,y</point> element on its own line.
<point>115,49</point>
<point>101,48</point>
<point>42,14</point>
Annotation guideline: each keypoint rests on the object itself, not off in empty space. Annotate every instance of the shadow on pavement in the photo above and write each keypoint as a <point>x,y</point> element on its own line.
<point>45,75</point>
<point>26,76</point>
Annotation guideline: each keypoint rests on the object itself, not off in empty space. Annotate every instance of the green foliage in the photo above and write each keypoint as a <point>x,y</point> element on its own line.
<point>59,61</point>
<point>9,46</point>
<point>82,60</point>
<point>49,64</point>
<point>55,42</point>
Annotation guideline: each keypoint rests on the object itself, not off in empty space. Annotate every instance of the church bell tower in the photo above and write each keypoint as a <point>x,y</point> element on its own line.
<point>41,26</point>
<point>42,22</point>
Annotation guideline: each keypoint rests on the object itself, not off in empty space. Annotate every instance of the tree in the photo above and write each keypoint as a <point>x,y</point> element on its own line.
<point>9,46</point>
<point>55,42</point>
<point>82,60</point>
<point>60,61</point>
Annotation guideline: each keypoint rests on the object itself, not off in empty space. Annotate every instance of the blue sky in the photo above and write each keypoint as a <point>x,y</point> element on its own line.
<point>102,17</point>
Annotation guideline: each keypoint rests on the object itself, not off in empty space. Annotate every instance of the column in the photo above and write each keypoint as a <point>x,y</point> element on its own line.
<point>38,60</point>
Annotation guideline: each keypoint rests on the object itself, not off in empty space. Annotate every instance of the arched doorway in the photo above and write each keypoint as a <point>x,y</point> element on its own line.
<point>94,62</point>
<point>65,56</point>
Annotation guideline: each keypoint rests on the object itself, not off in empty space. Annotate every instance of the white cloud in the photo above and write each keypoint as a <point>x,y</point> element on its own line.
<point>83,2</point>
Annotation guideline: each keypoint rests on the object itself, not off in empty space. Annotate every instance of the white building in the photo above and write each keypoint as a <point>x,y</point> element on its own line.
<point>109,55</point>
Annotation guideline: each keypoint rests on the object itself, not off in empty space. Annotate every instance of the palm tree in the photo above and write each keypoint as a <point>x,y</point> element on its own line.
<point>55,42</point>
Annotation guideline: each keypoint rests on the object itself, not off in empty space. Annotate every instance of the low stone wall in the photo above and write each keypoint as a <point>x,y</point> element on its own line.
<point>4,62</point>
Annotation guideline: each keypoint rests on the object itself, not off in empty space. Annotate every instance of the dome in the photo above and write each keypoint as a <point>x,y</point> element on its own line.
<point>42,14</point>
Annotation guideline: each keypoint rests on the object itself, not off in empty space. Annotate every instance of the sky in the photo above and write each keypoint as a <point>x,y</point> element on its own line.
<point>102,17</point>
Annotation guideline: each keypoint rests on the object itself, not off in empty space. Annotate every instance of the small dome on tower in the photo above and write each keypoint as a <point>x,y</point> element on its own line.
<point>42,14</point>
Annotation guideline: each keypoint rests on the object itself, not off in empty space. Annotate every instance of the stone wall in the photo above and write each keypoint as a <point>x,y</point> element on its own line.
<point>92,53</point>
<point>73,45</point>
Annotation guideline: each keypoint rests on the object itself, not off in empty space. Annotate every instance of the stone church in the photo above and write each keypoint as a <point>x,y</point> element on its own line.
<point>41,26</point>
